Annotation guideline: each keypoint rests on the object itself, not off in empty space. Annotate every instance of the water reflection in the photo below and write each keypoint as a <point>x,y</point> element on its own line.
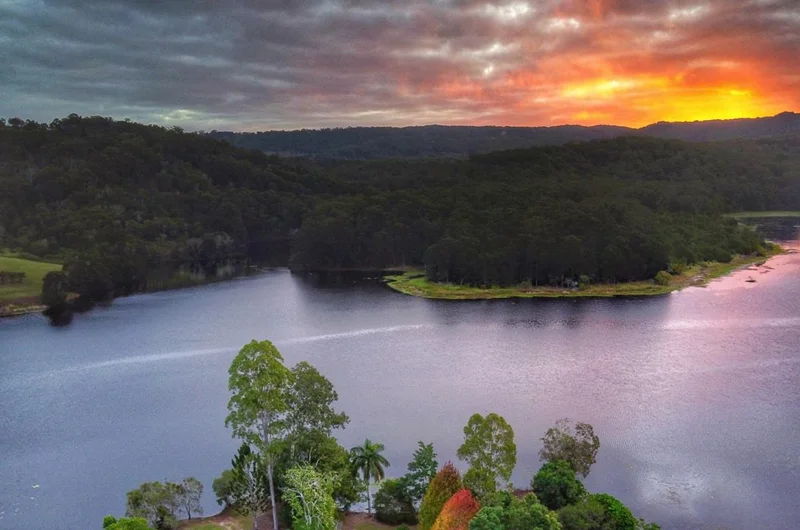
<point>695,395</point>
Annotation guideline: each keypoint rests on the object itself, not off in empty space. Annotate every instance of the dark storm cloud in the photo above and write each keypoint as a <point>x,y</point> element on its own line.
<point>247,64</point>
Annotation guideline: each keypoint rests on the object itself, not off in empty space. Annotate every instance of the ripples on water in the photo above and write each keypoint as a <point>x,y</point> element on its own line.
<point>694,395</point>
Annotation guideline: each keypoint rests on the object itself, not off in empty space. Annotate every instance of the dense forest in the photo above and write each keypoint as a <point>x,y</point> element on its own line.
<point>458,141</point>
<point>355,143</point>
<point>116,200</point>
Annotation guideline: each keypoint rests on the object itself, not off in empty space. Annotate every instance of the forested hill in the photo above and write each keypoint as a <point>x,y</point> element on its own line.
<point>114,200</point>
<point>355,143</point>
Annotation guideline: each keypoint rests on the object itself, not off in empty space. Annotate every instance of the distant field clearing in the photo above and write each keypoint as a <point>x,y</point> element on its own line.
<point>31,286</point>
<point>751,215</point>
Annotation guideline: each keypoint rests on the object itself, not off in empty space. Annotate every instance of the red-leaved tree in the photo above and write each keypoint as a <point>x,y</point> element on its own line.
<point>443,486</point>
<point>457,512</point>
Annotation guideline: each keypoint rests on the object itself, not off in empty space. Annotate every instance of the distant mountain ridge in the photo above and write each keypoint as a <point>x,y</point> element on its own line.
<point>455,141</point>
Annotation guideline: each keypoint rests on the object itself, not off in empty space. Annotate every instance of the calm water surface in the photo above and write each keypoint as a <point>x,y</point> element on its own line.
<point>695,395</point>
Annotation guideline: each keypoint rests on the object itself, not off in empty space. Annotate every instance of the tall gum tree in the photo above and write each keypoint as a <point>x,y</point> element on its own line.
<point>490,450</point>
<point>257,409</point>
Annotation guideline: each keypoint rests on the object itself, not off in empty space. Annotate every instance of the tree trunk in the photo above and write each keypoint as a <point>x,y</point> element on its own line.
<point>369,499</point>
<point>255,519</point>
<point>265,428</point>
<point>272,496</point>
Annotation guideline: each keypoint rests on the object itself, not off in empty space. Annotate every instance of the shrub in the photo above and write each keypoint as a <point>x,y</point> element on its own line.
<point>512,513</point>
<point>126,523</point>
<point>223,488</point>
<point>599,511</point>
<point>678,267</point>
<point>443,486</point>
<point>557,486</point>
<point>457,512</point>
<point>527,513</point>
<point>393,504</point>
<point>663,278</point>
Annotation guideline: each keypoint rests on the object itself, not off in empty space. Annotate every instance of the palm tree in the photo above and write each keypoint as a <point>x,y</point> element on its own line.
<point>368,460</point>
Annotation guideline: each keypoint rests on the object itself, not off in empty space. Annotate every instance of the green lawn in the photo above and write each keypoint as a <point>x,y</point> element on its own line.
<point>35,272</point>
<point>753,215</point>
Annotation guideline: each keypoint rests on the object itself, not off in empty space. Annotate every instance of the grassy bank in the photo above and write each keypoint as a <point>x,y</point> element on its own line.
<point>756,215</point>
<point>414,283</point>
<point>16,299</point>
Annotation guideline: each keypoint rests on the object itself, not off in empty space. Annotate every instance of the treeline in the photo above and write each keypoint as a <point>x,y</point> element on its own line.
<point>290,468</point>
<point>606,211</point>
<point>428,141</point>
<point>460,141</point>
<point>118,202</point>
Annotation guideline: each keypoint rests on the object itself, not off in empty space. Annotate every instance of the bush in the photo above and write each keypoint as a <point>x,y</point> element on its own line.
<point>393,504</point>
<point>557,486</point>
<point>126,523</point>
<point>54,289</point>
<point>663,278</point>
<point>443,486</point>
<point>599,511</point>
<point>512,513</point>
<point>223,488</point>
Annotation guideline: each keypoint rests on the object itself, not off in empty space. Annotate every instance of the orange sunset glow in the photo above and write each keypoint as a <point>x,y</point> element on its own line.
<point>247,65</point>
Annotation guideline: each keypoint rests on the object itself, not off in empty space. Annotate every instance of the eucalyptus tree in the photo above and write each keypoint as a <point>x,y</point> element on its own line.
<point>368,460</point>
<point>260,386</point>
<point>490,450</point>
<point>310,398</point>
<point>576,445</point>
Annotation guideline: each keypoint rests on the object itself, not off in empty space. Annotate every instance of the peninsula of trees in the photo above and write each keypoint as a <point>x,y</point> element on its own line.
<point>117,202</point>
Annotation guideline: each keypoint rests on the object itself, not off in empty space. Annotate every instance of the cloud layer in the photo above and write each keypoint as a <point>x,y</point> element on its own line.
<point>267,64</point>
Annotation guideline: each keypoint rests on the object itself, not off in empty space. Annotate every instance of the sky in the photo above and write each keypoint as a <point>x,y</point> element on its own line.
<point>287,64</point>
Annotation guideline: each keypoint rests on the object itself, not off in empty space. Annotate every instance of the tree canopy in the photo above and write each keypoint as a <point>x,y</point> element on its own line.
<point>490,450</point>
<point>443,486</point>
<point>368,460</point>
<point>421,471</point>
<point>556,485</point>
<point>260,383</point>
<point>576,445</point>
<point>126,206</point>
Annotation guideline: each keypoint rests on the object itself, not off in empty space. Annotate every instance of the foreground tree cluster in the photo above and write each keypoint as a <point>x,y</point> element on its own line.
<point>126,206</point>
<point>291,469</point>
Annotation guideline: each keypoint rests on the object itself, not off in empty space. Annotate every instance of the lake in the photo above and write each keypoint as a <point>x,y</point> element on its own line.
<point>695,395</point>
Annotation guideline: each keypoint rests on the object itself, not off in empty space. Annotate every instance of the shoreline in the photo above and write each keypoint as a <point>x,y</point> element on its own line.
<point>411,281</point>
<point>19,307</point>
<point>414,283</point>
<point>15,310</point>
